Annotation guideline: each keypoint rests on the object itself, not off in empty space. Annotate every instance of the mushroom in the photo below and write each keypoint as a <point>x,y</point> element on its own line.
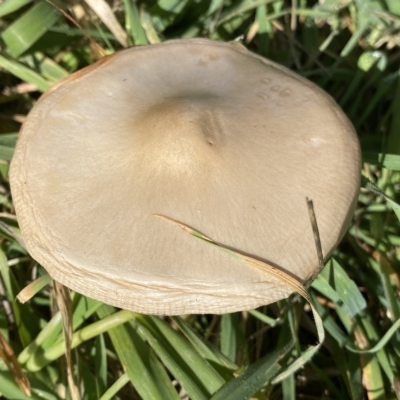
<point>206,133</point>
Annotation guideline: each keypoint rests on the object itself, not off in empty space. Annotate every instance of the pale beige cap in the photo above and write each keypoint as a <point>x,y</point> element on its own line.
<point>206,133</point>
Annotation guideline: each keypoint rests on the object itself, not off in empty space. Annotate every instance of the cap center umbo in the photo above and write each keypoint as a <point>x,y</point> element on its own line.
<point>180,134</point>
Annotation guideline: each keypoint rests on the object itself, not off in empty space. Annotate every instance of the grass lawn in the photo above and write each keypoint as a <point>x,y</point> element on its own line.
<point>350,48</point>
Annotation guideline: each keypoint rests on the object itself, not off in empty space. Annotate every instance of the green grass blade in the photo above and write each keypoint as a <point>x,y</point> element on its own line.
<point>349,366</point>
<point>367,184</point>
<point>229,327</point>
<point>254,377</point>
<point>389,161</point>
<point>26,30</point>
<point>353,374</point>
<point>363,20</point>
<point>10,390</point>
<point>331,326</point>
<point>8,139</point>
<point>165,12</point>
<point>148,27</point>
<point>192,371</point>
<point>381,344</point>
<point>381,92</point>
<point>214,6</point>
<point>353,86</point>
<point>336,332</point>
<point>100,362</point>
<point>41,359</point>
<point>391,304</point>
<point>173,6</point>
<point>372,378</point>
<point>395,207</point>
<point>264,318</point>
<point>289,388</point>
<point>242,7</point>
<point>26,321</point>
<point>13,234</point>
<point>337,286</point>
<point>133,23</point>
<point>145,372</point>
<point>298,363</point>
<point>45,66</point>
<point>83,308</point>
<point>115,387</point>
<point>6,153</point>
<point>88,379</point>
<point>372,336</point>
<point>43,386</point>
<point>204,348</point>
<point>24,73</point>
<point>265,30</point>
<point>54,325</point>
<point>9,6</point>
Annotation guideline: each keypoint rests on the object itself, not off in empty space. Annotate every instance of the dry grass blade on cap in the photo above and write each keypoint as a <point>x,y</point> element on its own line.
<point>284,278</point>
<point>8,356</point>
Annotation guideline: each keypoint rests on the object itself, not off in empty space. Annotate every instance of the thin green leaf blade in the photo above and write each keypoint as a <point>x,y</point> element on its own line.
<point>24,73</point>
<point>9,6</point>
<point>389,161</point>
<point>204,348</point>
<point>45,66</point>
<point>6,153</point>
<point>337,286</point>
<point>229,326</point>
<point>10,390</point>
<point>25,31</point>
<point>254,377</point>
<point>133,23</point>
<point>142,367</point>
<point>115,387</point>
<point>194,373</point>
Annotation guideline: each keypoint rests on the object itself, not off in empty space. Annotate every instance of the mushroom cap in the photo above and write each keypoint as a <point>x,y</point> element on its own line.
<point>206,133</point>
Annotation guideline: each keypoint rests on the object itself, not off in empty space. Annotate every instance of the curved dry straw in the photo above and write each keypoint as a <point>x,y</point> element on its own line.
<point>285,278</point>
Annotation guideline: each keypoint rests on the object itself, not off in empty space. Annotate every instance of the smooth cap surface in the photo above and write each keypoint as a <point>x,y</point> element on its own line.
<point>205,133</point>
